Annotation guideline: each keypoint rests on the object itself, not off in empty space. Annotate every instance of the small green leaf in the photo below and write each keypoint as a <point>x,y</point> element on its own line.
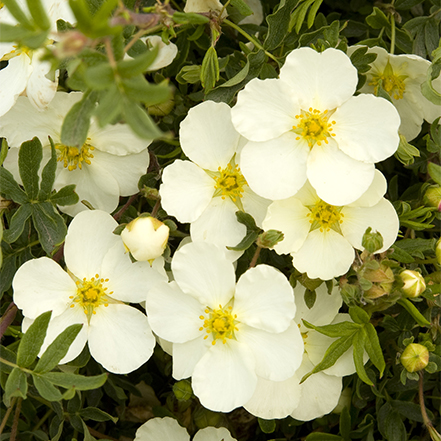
<point>377,19</point>
<point>99,77</point>
<point>139,89</point>
<point>16,385</point>
<point>278,25</point>
<point>48,175</point>
<point>137,65</point>
<point>434,171</point>
<point>359,315</point>
<point>183,18</point>
<point>32,340</point>
<point>139,121</point>
<point>413,311</point>
<point>243,9</point>
<point>87,435</point>
<point>313,12</point>
<point>10,33</point>
<point>57,349</point>
<point>92,413</point>
<point>336,330</point>
<point>17,13</point>
<point>46,389</point>
<point>17,223</point>
<point>65,196</point>
<point>38,14</point>
<point>247,220</point>
<point>79,382</point>
<point>246,242</point>
<point>109,106</point>
<point>4,148</point>
<point>373,348</point>
<point>29,159</point>
<point>358,341</point>
<point>267,426</point>
<point>310,298</point>
<point>210,69</point>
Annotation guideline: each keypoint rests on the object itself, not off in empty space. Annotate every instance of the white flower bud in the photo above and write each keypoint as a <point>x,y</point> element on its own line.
<point>145,237</point>
<point>414,284</point>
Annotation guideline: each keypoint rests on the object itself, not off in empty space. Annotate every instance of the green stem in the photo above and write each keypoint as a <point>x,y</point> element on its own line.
<point>249,37</point>
<point>392,34</point>
<point>2,360</point>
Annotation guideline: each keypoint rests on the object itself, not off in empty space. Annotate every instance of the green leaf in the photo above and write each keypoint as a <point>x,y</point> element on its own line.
<point>10,188</point>
<point>137,65</point>
<point>390,424</point>
<point>82,14</point>
<point>57,349</point>
<point>139,89</point>
<point>16,385</point>
<point>313,12</point>
<point>412,411</point>
<point>10,33</point>
<point>139,121</point>
<point>246,242</point>
<point>247,220</point>
<point>210,69</point>
<point>50,226</point>
<point>406,4</point>
<point>434,171</point>
<point>38,14</point>
<point>17,223</point>
<point>377,19</point>
<point>184,18</point>
<point>109,106</point>
<point>4,148</point>
<point>77,121</point>
<point>189,74</point>
<point>32,340</point>
<point>92,413</point>
<point>373,348</point>
<point>65,196</point>
<point>413,311</point>
<point>242,7</point>
<point>29,159</point>
<point>46,389</point>
<point>323,437</point>
<point>359,315</point>
<point>358,341</point>
<point>431,34</point>
<point>7,355</point>
<point>300,14</point>
<point>336,330</point>
<point>310,298</point>
<point>48,175</point>
<point>18,14</point>
<point>78,382</point>
<point>267,426</point>
<point>99,77</point>
<point>87,435</point>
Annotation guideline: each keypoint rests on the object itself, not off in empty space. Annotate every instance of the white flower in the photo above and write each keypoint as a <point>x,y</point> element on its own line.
<point>100,278</point>
<point>208,191</point>
<point>308,125</point>
<point>201,6</point>
<point>402,77</point>
<point>106,167</point>
<point>225,335</point>
<point>25,71</point>
<point>322,237</point>
<point>145,237</point>
<point>168,429</point>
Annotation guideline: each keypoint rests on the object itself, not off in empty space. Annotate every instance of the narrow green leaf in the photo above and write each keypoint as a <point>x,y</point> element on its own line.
<point>29,159</point>
<point>183,18</point>
<point>358,341</point>
<point>77,121</point>
<point>313,12</point>
<point>4,147</point>
<point>10,33</point>
<point>373,348</point>
<point>139,89</point>
<point>105,11</point>
<point>57,424</point>
<point>434,171</point>
<point>50,226</point>
<point>79,382</point>
<point>345,424</point>
<point>99,77</point>
<point>82,14</point>
<point>301,14</point>
<point>32,340</point>
<point>95,414</point>
<point>109,107</point>
<point>139,121</point>
<point>278,24</point>
<point>17,223</point>
<point>210,69</point>
<point>137,65</point>
<point>359,315</point>
<point>57,349</point>
<point>38,14</point>
<point>310,298</point>
<point>48,174</point>
<point>336,330</point>
<point>16,385</point>
<point>246,242</point>
<point>18,14</point>
<point>247,220</point>
<point>242,7</point>
<point>46,389</point>
<point>412,411</point>
<point>10,189</point>
<point>413,311</point>
<point>65,196</point>
<point>87,435</point>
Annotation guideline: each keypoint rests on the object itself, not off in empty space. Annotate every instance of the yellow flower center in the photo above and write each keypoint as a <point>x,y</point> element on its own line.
<point>313,126</point>
<point>391,82</point>
<point>74,156</point>
<point>220,323</point>
<point>325,216</point>
<point>16,51</point>
<point>230,183</point>
<point>91,294</point>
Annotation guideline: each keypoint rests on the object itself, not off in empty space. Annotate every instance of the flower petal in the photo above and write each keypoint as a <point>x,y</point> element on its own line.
<point>274,399</point>
<point>186,190</point>
<point>166,54</point>
<point>374,193</point>
<point>320,80</point>
<point>187,355</point>
<point>213,434</point>
<point>41,285</point>
<point>337,178</point>
<point>120,338</point>
<point>255,205</point>
<point>264,110</point>
<point>264,299</point>
<point>324,255</point>
<point>172,314</point>
<point>162,428</point>
<point>202,271</point>
<point>283,157</point>
<point>208,136</point>
<point>277,356</point>
<point>224,378</point>
<point>366,128</point>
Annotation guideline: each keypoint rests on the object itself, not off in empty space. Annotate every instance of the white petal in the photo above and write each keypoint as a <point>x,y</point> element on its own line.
<point>41,285</point>
<point>202,270</point>
<point>213,434</point>
<point>337,178</point>
<point>255,205</point>
<point>208,136</point>
<point>186,190</point>
<point>382,218</point>
<point>320,80</point>
<point>89,237</point>
<point>172,314</point>
<point>15,75</point>
<point>275,169</point>
<point>264,299</point>
<point>129,281</point>
<point>324,255</point>
<point>319,393</point>
<point>374,193</point>
<point>187,355</point>
<point>120,338</point>
<point>277,356</point>
<point>166,53</point>
<point>290,217</point>
<point>264,110</point>
<point>161,428</point>
<point>274,399</point>
<point>224,378</point>
<point>366,128</point>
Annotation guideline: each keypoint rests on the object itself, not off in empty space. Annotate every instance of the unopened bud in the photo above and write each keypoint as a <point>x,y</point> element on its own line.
<point>182,390</point>
<point>145,237</point>
<point>438,251</point>
<point>432,197</point>
<point>372,241</point>
<point>382,280</point>
<point>415,357</point>
<point>414,284</point>
<point>70,44</point>
<point>269,238</point>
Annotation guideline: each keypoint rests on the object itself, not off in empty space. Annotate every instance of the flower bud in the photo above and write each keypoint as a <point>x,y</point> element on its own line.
<point>438,251</point>
<point>269,238</point>
<point>145,237</point>
<point>372,240</point>
<point>415,357</point>
<point>382,280</point>
<point>182,390</point>
<point>414,284</point>
<point>432,197</point>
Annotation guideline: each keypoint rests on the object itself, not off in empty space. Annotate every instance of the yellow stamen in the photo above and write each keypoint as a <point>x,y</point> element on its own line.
<point>220,323</point>
<point>74,156</point>
<point>392,83</point>
<point>325,216</point>
<point>230,183</point>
